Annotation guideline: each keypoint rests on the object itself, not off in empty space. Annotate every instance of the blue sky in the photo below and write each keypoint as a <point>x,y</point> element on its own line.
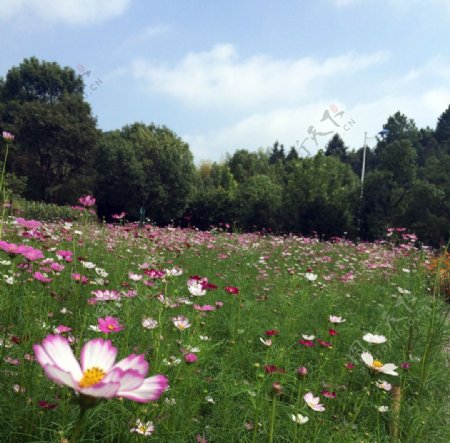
<point>226,74</point>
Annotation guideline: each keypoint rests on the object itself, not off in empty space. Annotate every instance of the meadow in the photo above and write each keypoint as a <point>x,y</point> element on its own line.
<point>249,337</point>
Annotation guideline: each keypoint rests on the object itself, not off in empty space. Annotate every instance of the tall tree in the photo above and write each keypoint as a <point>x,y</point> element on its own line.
<point>43,105</point>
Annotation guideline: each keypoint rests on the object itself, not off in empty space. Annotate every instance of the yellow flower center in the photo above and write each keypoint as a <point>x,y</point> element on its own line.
<point>110,327</point>
<point>377,364</point>
<point>91,377</point>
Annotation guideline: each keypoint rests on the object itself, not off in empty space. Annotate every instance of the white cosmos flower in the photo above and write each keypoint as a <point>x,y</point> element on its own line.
<point>383,384</point>
<point>149,323</point>
<point>375,339</point>
<point>383,408</point>
<point>88,264</point>
<point>403,291</point>
<point>308,337</point>
<point>267,342</point>
<point>313,402</point>
<point>377,366</point>
<point>299,419</point>
<point>336,319</point>
<point>143,428</point>
<point>134,277</point>
<point>311,276</point>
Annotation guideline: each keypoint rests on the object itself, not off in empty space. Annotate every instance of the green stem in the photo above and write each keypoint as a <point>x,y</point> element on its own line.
<point>272,419</point>
<point>75,438</point>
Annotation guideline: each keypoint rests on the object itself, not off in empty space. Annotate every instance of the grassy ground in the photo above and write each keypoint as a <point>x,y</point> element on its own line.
<point>240,388</point>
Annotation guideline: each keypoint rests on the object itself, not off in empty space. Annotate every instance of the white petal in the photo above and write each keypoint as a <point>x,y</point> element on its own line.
<point>59,376</point>
<point>58,350</point>
<point>103,390</point>
<point>98,353</point>
<point>135,362</point>
<point>367,358</point>
<point>389,369</point>
<point>151,389</point>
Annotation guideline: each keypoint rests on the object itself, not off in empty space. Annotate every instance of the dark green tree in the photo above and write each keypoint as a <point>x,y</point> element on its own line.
<point>42,105</point>
<point>442,132</point>
<point>336,147</point>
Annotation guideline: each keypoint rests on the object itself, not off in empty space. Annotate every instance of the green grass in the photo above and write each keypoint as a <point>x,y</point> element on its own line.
<point>226,395</point>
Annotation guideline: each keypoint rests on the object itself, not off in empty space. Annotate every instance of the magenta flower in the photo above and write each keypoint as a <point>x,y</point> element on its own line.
<point>204,308</point>
<point>41,277</point>
<point>307,343</point>
<point>29,224</point>
<point>109,324</point>
<point>98,376</point>
<point>87,200</point>
<point>119,216</point>
<point>190,358</point>
<point>232,290</point>
<point>29,252</point>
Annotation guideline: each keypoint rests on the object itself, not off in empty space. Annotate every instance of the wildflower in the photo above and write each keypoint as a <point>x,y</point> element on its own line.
<point>349,366</point>
<point>196,289</point>
<point>302,371</point>
<point>405,365</point>
<point>88,264</point>
<point>308,337</point>
<point>204,308</point>
<point>375,339</point>
<point>109,324</point>
<point>336,319</point>
<point>328,394</point>
<point>61,329</point>
<point>134,277</point>
<point>98,376</point>
<point>383,384</point>
<point>190,358</point>
<point>271,332</point>
<point>232,290</point>
<point>277,388</point>
<point>87,200</point>
<point>7,136</point>
<point>181,322</point>
<point>377,366</point>
<point>310,276</point>
<point>307,343</point>
<point>313,402</point>
<point>332,332</point>
<point>209,399</point>
<point>299,419</point>
<point>149,323</point>
<point>143,428</point>
<point>43,278</point>
<point>267,342</point>
<point>119,216</point>
<point>325,344</point>
<point>383,408</point>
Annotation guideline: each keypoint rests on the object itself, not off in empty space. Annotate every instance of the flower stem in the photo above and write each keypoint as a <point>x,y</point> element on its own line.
<point>272,419</point>
<point>75,438</point>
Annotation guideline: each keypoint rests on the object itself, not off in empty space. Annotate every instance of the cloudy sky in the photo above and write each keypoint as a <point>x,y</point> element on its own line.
<point>227,74</point>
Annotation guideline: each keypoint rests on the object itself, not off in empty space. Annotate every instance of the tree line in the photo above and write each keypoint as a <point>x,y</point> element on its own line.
<point>148,171</point>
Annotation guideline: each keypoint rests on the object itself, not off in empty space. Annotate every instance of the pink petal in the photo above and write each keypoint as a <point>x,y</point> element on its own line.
<point>60,354</point>
<point>135,362</point>
<point>98,353</point>
<point>59,376</point>
<point>129,380</point>
<point>150,390</point>
<point>104,390</point>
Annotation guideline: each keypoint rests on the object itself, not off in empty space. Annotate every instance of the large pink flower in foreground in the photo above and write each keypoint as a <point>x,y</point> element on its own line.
<point>98,376</point>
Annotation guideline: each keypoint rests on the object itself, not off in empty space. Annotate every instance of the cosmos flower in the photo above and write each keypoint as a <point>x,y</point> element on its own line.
<point>375,339</point>
<point>98,376</point>
<point>143,428</point>
<point>87,200</point>
<point>149,323</point>
<point>7,136</point>
<point>181,322</point>
<point>313,402</point>
<point>299,419</point>
<point>336,319</point>
<point>383,384</point>
<point>108,325</point>
<point>310,276</point>
<point>377,366</point>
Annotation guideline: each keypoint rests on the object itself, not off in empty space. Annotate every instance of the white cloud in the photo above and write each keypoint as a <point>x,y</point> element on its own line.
<point>72,12</point>
<point>289,125</point>
<point>220,78</point>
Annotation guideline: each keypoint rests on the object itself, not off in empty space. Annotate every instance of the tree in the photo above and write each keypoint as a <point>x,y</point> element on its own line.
<point>42,104</point>
<point>442,133</point>
<point>144,168</point>
<point>336,147</point>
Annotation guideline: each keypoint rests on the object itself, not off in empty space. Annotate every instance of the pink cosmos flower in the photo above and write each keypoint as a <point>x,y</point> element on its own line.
<point>328,394</point>
<point>204,308</point>
<point>41,277</point>
<point>336,319</point>
<point>302,371</point>
<point>98,376</point>
<point>119,216</point>
<point>190,358</point>
<point>313,402</point>
<point>7,136</point>
<point>29,252</point>
<point>61,329</point>
<point>271,332</point>
<point>232,290</point>
<point>9,248</point>
<point>29,224</point>
<point>181,322</point>
<point>108,325</point>
<point>87,200</point>
<point>307,343</point>
<point>65,255</point>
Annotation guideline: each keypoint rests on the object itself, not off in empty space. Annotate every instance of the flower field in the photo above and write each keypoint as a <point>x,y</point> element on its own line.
<point>119,333</point>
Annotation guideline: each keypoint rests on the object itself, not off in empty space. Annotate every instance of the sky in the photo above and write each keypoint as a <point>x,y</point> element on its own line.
<point>227,75</point>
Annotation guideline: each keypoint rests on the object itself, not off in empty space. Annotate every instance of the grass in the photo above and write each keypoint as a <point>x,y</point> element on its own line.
<point>228,394</point>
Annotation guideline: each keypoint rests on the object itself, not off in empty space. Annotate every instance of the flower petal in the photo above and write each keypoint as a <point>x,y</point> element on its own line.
<point>98,353</point>
<point>129,380</point>
<point>60,376</point>
<point>367,358</point>
<point>135,362</point>
<point>389,369</point>
<point>104,390</point>
<point>151,389</point>
<point>60,354</point>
